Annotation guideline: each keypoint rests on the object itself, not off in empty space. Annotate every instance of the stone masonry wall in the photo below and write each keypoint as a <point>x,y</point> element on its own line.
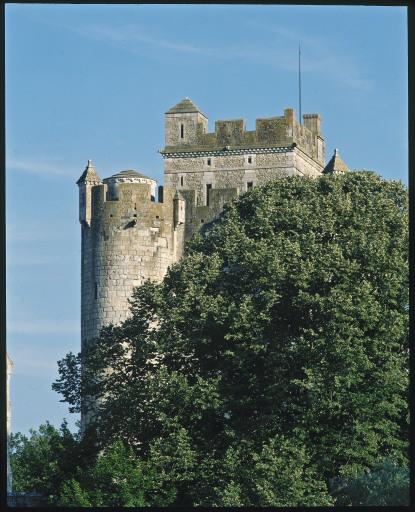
<point>306,166</point>
<point>194,126</point>
<point>229,171</point>
<point>280,131</point>
<point>130,240</point>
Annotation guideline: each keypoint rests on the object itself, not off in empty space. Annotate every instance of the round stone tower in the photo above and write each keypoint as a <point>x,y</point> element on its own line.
<point>127,238</point>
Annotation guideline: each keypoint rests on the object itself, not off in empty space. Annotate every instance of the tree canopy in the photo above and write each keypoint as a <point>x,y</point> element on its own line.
<point>273,357</point>
<point>45,459</point>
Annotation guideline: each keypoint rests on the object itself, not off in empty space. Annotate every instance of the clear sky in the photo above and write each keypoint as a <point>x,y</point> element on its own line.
<point>94,81</point>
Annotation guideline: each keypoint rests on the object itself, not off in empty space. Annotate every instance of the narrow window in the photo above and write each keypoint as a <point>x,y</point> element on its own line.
<point>96,291</point>
<point>249,185</point>
<point>249,159</point>
<point>209,161</point>
<point>182,131</point>
<point>181,181</point>
<point>208,189</point>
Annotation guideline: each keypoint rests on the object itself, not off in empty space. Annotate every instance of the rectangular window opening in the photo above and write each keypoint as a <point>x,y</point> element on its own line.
<point>208,189</point>
<point>249,159</point>
<point>249,185</point>
<point>181,181</point>
<point>209,161</point>
<point>182,131</point>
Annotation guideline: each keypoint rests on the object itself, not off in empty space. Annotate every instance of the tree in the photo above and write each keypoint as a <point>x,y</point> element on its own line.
<point>287,319</point>
<point>385,485</point>
<point>118,478</point>
<point>41,462</point>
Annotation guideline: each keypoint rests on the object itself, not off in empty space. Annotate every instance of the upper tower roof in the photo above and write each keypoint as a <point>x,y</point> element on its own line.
<point>129,176</point>
<point>186,106</point>
<point>90,175</point>
<point>335,165</point>
<point>130,173</point>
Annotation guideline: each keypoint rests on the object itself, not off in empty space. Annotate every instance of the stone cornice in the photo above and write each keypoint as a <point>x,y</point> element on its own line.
<point>226,151</point>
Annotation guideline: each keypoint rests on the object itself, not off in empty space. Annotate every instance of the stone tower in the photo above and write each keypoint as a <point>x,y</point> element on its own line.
<point>209,168</point>
<point>128,237</point>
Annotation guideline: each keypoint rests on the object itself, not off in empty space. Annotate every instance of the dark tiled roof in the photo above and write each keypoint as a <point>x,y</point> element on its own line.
<point>89,175</point>
<point>335,165</point>
<point>129,174</point>
<point>185,106</point>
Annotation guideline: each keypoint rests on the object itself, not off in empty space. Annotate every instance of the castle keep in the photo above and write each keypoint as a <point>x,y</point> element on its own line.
<point>132,231</point>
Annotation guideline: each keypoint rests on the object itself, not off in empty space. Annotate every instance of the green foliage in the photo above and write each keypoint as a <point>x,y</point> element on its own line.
<point>386,485</point>
<point>115,480</point>
<point>278,476</point>
<point>43,461</point>
<point>72,495</point>
<point>283,331</point>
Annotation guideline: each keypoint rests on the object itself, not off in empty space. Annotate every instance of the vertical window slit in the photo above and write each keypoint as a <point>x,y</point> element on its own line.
<point>208,189</point>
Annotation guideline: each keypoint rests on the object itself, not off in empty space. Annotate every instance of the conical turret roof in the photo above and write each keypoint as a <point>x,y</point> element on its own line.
<point>335,165</point>
<point>90,175</point>
<point>184,107</point>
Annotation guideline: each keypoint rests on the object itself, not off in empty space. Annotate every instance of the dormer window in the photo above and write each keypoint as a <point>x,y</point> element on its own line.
<point>182,131</point>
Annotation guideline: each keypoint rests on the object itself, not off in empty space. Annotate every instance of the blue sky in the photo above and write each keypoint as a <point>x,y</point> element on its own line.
<point>94,81</point>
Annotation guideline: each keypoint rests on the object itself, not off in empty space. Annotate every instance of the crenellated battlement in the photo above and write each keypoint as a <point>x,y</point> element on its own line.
<point>190,135</point>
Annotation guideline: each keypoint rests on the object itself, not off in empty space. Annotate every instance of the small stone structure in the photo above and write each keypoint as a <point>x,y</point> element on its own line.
<point>26,499</point>
<point>128,237</point>
<point>9,366</point>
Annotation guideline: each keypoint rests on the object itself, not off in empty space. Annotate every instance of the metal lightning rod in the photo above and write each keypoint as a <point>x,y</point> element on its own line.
<point>299,81</point>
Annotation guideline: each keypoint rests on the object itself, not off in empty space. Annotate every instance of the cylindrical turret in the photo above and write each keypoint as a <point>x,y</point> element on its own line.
<point>88,179</point>
<point>127,239</point>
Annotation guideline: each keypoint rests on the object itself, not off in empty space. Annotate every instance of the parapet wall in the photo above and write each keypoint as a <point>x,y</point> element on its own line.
<point>280,131</point>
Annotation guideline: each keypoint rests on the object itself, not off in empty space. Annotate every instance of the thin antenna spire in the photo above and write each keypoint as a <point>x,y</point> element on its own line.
<point>299,81</point>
